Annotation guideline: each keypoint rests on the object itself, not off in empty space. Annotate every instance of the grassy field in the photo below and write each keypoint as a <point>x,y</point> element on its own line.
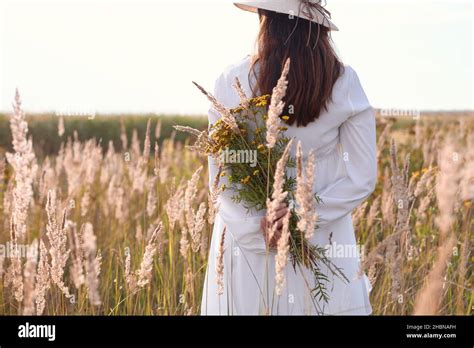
<point>105,202</point>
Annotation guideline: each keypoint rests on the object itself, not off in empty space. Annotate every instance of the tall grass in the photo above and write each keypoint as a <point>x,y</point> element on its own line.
<point>122,225</point>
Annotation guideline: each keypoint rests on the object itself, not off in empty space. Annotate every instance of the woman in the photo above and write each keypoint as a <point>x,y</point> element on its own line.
<point>330,114</point>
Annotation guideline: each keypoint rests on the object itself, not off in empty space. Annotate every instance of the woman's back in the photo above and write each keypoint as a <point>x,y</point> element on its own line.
<point>343,139</point>
<point>328,113</point>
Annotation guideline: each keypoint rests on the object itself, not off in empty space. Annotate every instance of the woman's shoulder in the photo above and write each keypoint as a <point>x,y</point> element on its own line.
<point>237,68</point>
<point>348,90</point>
<point>346,77</point>
<point>223,89</point>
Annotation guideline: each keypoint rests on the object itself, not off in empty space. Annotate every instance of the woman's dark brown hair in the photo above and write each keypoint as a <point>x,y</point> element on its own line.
<point>314,66</point>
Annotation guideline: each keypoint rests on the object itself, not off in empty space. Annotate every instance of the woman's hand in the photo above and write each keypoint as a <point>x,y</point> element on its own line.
<point>277,223</point>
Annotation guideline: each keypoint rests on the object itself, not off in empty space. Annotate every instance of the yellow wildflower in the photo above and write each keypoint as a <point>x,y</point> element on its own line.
<point>245,180</point>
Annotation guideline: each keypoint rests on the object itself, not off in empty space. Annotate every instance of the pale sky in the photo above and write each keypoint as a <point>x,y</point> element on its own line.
<point>141,56</point>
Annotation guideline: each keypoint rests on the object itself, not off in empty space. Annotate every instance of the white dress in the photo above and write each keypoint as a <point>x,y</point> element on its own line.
<point>343,138</point>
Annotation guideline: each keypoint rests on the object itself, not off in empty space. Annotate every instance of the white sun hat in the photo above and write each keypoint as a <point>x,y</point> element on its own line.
<point>311,10</point>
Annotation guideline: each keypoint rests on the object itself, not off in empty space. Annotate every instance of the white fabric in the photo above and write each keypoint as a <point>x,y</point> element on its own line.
<point>343,138</point>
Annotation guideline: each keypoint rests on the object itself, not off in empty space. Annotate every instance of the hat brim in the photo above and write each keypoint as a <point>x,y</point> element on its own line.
<point>253,6</point>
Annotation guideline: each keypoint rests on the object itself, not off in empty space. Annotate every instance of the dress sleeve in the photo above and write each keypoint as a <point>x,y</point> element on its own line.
<point>243,226</point>
<point>358,140</point>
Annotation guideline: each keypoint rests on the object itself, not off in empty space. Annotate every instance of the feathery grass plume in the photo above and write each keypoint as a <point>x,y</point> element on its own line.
<point>188,279</point>
<point>189,197</point>
<point>422,210</point>
<point>305,200</point>
<point>278,195</point>
<point>89,245</point>
<point>467,181</point>
<point>139,233</point>
<point>166,158</point>
<point>145,272</point>
<point>75,245</point>
<point>130,277</point>
<point>418,132</point>
<point>204,248</point>
<point>220,264</point>
<point>2,171</point>
<point>464,265</point>
<point>226,115</point>
<point>123,135</point>
<point>372,275</point>
<point>61,129</point>
<point>29,276</point>
<point>13,276</point>
<point>402,197</point>
<point>281,258</point>
<point>184,243</point>
<point>213,196</point>
<point>147,143</point>
<point>57,237</point>
<point>90,165</point>
<point>156,152</point>
<point>381,141</point>
<point>402,200</point>
<point>135,146</point>
<point>158,129</point>
<point>359,213</point>
<point>43,279</point>
<point>373,211</point>
<point>152,200</point>
<point>121,208</point>
<point>244,101</point>
<point>446,187</point>
<point>174,207</point>
<point>189,130</point>
<point>98,262</point>
<point>423,184</point>
<point>48,178</point>
<point>276,107</point>
<point>387,200</point>
<point>2,261</point>
<point>109,165</point>
<point>24,165</point>
<point>199,223</point>
<point>429,297</point>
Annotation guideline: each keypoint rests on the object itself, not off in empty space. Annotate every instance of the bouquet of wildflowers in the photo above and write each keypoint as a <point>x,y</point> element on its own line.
<point>252,150</point>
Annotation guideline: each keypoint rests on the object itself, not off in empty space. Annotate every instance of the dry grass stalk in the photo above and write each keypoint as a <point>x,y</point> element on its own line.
<point>57,237</point>
<point>281,258</point>
<point>77,264</point>
<point>305,200</point>
<point>92,264</point>
<point>276,107</point>
<point>61,129</point>
<point>428,299</point>
<point>244,101</point>
<point>220,264</point>
<point>278,195</point>
<point>225,114</point>
<point>43,279</point>
<point>29,276</point>
<point>144,273</point>
<point>24,165</point>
